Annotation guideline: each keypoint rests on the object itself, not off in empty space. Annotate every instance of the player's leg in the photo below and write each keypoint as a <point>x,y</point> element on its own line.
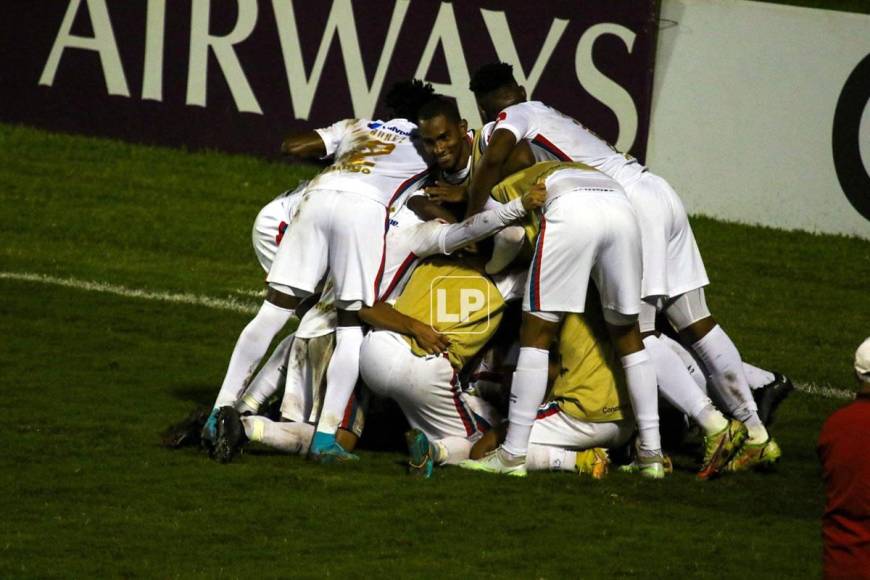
<point>356,238</point>
<point>617,274</point>
<point>561,442</point>
<point>299,266</point>
<point>341,378</point>
<point>690,316</point>
<point>268,381</point>
<point>426,390</point>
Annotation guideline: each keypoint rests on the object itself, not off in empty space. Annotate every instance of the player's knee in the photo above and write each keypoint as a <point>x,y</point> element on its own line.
<point>614,318</point>
<point>348,316</point>
<point>688,309</point>
<point>538,329</point>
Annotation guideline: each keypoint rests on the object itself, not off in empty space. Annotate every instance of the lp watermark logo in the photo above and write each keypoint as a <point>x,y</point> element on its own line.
<point>460,303</point>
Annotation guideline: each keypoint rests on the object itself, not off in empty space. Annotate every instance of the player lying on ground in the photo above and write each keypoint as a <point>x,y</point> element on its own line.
<point>673,273</point>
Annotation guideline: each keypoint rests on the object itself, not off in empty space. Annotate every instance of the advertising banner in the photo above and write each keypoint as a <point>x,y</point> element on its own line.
<point>761,113</point>
<point>238,75</point>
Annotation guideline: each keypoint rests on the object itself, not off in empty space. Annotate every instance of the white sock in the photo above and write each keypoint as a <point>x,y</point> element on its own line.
<point>640,377</point>
<point>757,377</point>
<point>722,360</point>
<point>549,458</point>
<point>451,450</point>
<point>678,387</point>
<point>289,437</point>
<point>528,389</point>
<point>341,377</point>
<point>253,343</point>
<point>268,380</point>
<point>695,371</point>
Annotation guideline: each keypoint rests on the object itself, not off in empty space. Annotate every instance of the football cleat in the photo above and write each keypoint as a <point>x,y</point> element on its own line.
<point>654,467</point>
<point>771,395</point>
<point>325,449</point>
<point>593,462</point>
<point>230,435</point>
<point>208,435</point>
<point>720,447</point>
<point>760,456</point>
<point>420,463</point>
<point>497,461</point>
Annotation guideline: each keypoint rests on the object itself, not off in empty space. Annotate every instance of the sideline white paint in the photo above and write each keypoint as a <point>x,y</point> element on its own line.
<point>234,305</point>
<point>230,304</point>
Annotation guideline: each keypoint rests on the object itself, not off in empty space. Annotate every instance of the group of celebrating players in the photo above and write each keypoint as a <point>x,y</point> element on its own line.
<point>518,270</point>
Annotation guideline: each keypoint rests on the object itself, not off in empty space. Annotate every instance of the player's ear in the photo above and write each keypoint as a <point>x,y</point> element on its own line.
<point>523,93</point>
<point>463,126</point>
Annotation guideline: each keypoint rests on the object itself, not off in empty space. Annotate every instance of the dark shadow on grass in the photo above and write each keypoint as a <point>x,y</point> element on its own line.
<point>195,393</point>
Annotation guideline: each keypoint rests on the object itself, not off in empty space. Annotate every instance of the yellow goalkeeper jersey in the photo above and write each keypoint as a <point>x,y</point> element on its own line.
<point>455,300</point>
<point>591,384</point>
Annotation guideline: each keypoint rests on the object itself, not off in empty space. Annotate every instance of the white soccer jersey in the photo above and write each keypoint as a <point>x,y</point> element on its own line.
<point>381,160</point>
<point>559,137</point>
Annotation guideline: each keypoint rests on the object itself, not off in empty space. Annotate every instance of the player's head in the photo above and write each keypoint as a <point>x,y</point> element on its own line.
<point>405,98</point>
<point>495,88</point>
<point>443,133</point>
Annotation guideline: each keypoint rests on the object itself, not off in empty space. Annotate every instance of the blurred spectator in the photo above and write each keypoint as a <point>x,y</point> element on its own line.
<point>844,450</point>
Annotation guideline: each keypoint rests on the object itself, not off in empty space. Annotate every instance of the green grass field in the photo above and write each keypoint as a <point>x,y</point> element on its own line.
<point>90,378</point>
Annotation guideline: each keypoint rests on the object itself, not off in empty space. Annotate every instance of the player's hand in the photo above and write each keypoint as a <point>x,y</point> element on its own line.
<point>445,193</point>
<point>535,197</point>
<point>429,339</point>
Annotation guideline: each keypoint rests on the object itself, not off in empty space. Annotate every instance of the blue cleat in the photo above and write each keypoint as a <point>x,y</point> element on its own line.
<point>325,449</point>
<point>420,463</point>
<point>208,435</point>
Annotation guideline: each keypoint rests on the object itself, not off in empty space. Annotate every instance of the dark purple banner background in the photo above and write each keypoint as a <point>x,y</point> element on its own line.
<point>610,94</point>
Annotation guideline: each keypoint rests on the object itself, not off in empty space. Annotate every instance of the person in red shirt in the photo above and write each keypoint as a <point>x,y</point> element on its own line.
<point>844,450</point>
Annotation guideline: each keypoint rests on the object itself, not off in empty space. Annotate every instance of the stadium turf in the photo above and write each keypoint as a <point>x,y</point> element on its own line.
<point>90,378</point>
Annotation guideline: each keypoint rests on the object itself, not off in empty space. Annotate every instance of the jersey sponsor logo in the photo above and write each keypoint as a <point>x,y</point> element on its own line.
<point>853,171</point>
<point>456,300</point>
<point>374,125</point>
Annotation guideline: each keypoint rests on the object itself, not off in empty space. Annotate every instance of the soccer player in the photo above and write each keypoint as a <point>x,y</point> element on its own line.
<point>409,239</point>
<point>588,230</point>
<point>587,410</point>
<point>673,272</point>
<point>340,228</point>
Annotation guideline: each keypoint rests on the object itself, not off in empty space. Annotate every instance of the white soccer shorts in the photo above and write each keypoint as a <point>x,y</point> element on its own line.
<point>341,232</point>
<point>672,263</point>
<point>426,388</point>
<point>586,233</point>
<point>558,429</point>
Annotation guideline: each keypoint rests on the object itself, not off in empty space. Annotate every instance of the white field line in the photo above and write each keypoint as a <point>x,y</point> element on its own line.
<point>826,392</point>
<point>231,304</point>
<point>235,305</point>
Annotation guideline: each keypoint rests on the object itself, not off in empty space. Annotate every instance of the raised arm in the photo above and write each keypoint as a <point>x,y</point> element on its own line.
<point>490,169</point>
<point>308,146</point>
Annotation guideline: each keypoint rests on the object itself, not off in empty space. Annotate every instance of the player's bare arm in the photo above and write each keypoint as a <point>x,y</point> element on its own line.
<point>446,193</point>
<point>384,317</point>
<point>426,209</point>
<point>490,170</point>
<point>307,146</point>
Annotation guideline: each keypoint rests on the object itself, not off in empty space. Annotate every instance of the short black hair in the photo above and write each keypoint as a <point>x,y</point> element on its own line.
<point>405,98</point>
<point>440,105</point>
<point>492,76</point>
